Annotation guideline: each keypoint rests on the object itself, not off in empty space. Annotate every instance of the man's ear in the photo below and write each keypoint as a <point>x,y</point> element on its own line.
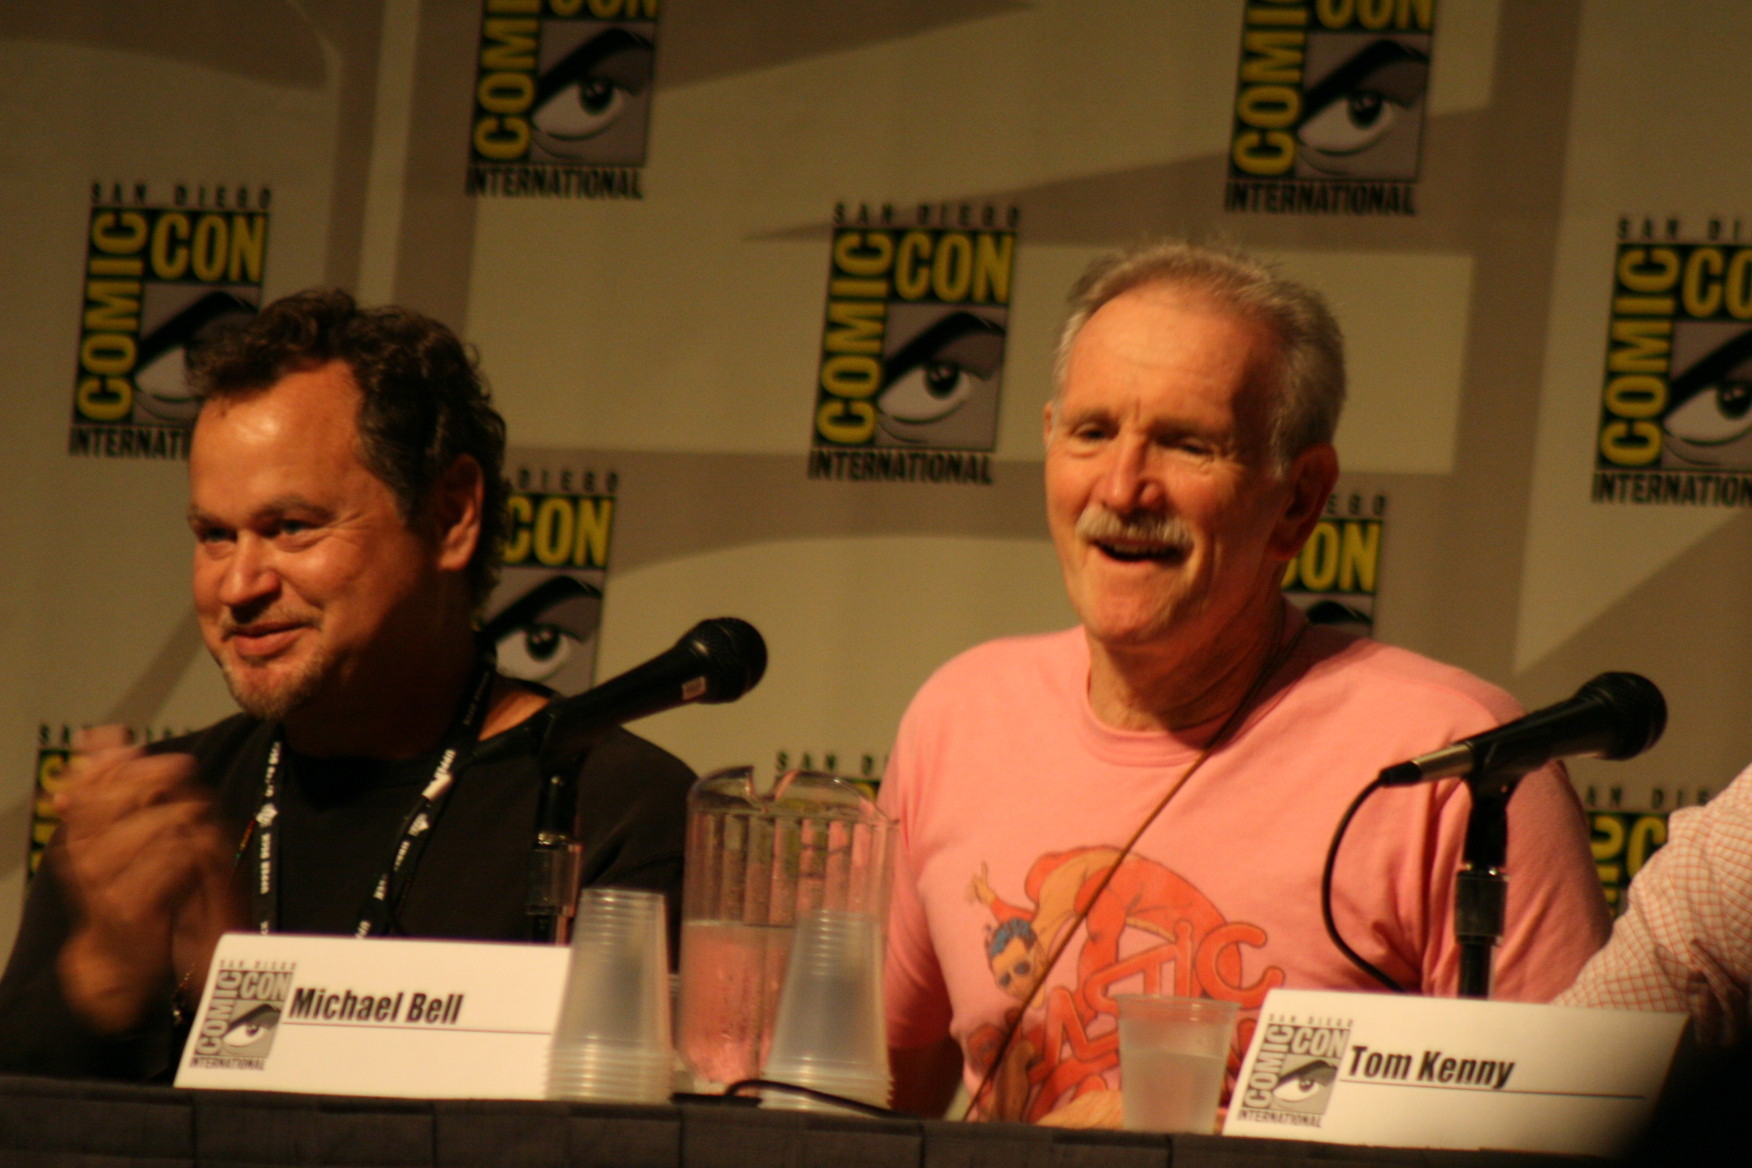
<point>1311,478</point>
<point>457,500</point>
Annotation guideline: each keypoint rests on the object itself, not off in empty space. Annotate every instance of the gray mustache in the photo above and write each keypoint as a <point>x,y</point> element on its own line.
<point>1097,523</point>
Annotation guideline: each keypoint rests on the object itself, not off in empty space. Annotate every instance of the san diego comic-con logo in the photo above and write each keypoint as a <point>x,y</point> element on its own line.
<point>1293,1075</point>
<point>1676,400</point>
<point>1333,577</point>
<point>562,100</point>
<point>545,612</point>
<point>160,278</point>
<point>54,751</point>
<point>243,1015</point>
<point>912,348</point>
<point>1329,107</point>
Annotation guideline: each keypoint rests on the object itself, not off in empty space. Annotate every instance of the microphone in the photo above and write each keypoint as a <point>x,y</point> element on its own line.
<point>717,660</point>
<point>1616,716</point>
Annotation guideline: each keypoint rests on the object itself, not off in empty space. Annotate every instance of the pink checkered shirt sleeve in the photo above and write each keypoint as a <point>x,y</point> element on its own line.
<point>1684,943</point>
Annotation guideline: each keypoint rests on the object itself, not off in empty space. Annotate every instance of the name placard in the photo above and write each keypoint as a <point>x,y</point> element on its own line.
<point>1356,1068</point>
<point>416,1019</point>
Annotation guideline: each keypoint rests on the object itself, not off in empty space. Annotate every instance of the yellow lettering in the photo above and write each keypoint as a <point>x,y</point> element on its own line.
<point>1739,285</point>
<point>170,246</point>
<point>108,354</point>
<point>509,45</point>
<point>1648,269</point>
<point>863,253</point>
<point>1257,14</point>
<point>1359,557</point>
<point>845,422</point>
<point>1641,346</point>
<point>555,525</point>
<point>118,233</point>
<point>113,305</point>
<point>1264,152</point>
<point>952,267</point>
<point>517,545</point>
<point>911,278</point>
<point>105,399</point>
<point>1636,395</point>
<point>1635,443</point>
<point>1320,557</point>
<point>855,326</point>
<point>993,260</point>
<point>1647,834</point>
<point>505,93</point>
<point>1270,107</point>
<point>851,376</point>
<point>501,138</point>
<point>210,247</point>
<point>594,517</point>
<point>1273,56</point>
<point>1701,289</point>
<point>249,238</point>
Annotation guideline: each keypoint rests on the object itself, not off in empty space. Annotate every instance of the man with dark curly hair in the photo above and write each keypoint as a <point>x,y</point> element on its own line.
<point>347,502</point>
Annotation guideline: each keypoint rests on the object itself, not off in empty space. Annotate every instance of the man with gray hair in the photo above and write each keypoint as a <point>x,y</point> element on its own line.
<point>1144,803</point>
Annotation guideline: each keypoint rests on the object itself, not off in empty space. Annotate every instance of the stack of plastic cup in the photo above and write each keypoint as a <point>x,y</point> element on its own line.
<point>829,1034</point>
<point>612,1042</point>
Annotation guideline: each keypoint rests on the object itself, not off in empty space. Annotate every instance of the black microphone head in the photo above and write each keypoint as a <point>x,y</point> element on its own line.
<point>1639,712</point>
<point>732,654</point>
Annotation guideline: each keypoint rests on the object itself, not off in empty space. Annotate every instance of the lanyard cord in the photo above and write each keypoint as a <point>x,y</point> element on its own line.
<point>378,914</point>
<point>1224,733</point>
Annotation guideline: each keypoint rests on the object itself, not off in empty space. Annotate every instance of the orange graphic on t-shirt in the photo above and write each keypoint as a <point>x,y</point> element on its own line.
<point>1192,951</point>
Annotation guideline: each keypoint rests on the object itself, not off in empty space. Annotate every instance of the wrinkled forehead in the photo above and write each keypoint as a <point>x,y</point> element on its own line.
<point>1174,336</point>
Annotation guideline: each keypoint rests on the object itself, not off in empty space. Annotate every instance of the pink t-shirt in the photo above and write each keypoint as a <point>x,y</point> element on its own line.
<point>1012,799</point>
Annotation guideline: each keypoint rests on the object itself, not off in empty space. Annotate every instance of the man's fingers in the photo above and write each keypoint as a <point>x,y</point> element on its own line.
<point>95,738</point>
<point>107,786</point>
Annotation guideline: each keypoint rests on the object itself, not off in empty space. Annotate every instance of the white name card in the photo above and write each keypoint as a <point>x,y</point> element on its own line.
<point>1356,1068</point>
<point>336,1015</point>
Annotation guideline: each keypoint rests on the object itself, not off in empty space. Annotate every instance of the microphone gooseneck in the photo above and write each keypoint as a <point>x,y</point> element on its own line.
<point>717,660</point>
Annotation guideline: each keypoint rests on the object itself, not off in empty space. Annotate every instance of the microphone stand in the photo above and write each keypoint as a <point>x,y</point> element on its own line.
<point>1482,888</point>
<point>556,860</point>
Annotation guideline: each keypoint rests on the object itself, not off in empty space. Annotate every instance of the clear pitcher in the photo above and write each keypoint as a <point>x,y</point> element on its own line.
<point>755,864</point>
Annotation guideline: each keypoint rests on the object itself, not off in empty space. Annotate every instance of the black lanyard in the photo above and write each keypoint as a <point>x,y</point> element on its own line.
<point>380,907</point>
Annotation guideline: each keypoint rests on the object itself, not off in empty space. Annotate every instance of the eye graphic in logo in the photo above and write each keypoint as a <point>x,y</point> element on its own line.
<point>253,1032</point>
<point>545,634</point>
<point>940,387</point>
<point>1709,416</point>
<point>592,104</point>
<point>1306,1088</point>
<point>161,376</point>
<point>1362,118</point>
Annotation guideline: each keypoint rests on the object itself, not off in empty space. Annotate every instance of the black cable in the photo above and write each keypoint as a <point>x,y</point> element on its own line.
<point>1356,958</point>
<point>857,1105</point>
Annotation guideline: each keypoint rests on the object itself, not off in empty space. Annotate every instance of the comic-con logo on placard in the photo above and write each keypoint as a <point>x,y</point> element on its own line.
<point>544,614</point>
<point>1293,1075</point>
<point>243,1015</point>
<point>1332,578</point>
<point>912,351</point>
<point>1329,109</point>
<point>1676,408</point>
<point>562,100</point>
<point>159,280</point>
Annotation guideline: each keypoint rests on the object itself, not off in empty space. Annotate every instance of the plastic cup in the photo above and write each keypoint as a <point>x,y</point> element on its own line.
<point>829,1034</point>
<point>1172,1055</point>
<point>611,1044</point>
